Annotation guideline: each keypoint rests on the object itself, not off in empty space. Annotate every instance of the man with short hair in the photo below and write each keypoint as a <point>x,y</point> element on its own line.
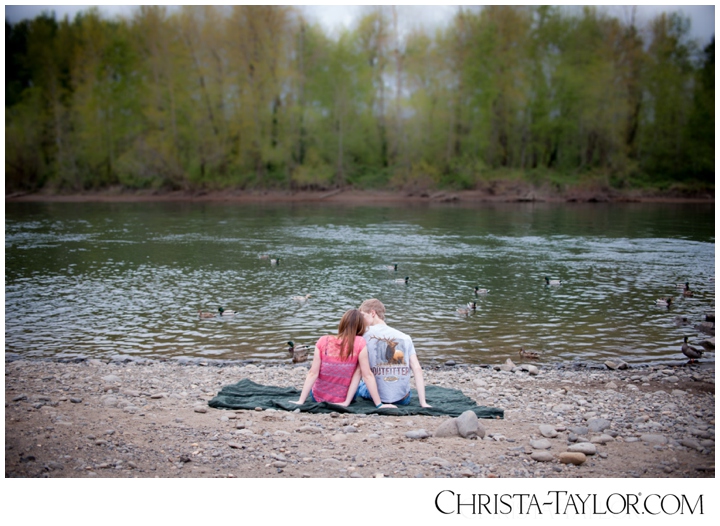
<point>392,358</point>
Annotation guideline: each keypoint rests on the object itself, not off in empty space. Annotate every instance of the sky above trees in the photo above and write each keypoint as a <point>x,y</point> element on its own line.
<point>334,17</point>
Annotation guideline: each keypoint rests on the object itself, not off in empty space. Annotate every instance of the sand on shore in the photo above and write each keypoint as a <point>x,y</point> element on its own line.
<point>149,418</point>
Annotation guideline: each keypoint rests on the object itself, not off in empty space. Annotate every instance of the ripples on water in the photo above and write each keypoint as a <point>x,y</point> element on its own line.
<point>129,279</point>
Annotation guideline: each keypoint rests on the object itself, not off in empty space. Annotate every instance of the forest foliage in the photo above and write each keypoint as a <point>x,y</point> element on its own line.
<point>256,97</point>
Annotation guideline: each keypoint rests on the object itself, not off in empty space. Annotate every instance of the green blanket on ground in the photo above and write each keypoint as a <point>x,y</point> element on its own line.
<point>246,394</point>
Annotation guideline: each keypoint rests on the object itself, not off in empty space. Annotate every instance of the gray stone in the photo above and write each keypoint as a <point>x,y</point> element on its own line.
<point>585,448</point>
<point>654,439</point>
<point>308,429</point>
<point>598,424</point>
<point>532,369</point>
<point>562,408</point>
<point>55,466</point>
<point>417,434</point>
<point>468,425</point>
<point>548,431</point>
<point>350,429</point>
<point>448,428</point>
<point>109,401</point>
<point>543,443</point>
<point>439,461</point>
<point>111,378</point>
<point>601,439</point>
<point>508,365</point>
<point>702,433</point>
<point>691,443</point>
<point>200,408</point>
<point>578,430</point>
<point>542,456</point>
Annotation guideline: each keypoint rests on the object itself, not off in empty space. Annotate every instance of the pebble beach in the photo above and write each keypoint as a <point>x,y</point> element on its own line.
<point>140,418</point>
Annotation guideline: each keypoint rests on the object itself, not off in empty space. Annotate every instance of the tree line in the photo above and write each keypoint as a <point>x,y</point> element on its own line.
<point>257,97</point>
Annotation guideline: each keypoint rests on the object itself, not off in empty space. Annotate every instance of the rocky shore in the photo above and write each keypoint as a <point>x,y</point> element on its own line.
<point>124,418</point>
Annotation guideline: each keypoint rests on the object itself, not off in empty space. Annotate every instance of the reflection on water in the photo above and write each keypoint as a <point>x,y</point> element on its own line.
<point>105,279</point>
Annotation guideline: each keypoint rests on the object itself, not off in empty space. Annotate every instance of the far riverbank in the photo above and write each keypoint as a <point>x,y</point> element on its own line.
<point>360,197</point>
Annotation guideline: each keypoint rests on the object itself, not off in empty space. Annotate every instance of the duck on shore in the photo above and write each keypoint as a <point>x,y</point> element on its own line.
<point>691,352</point>
<point>299,353</point>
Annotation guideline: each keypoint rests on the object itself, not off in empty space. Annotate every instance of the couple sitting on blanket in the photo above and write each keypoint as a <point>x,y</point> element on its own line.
<point>364,347</point>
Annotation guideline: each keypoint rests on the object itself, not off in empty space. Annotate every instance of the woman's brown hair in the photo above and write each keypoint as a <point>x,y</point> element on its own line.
<point>351,324</point>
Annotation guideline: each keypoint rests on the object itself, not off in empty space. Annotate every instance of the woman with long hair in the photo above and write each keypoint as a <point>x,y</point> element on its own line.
<point>336,367</point>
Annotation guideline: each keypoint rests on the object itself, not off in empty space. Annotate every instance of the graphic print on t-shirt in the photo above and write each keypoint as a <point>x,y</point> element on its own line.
<point>394,357</point>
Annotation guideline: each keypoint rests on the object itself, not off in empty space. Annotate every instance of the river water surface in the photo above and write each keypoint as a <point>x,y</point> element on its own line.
<point>105,279</point>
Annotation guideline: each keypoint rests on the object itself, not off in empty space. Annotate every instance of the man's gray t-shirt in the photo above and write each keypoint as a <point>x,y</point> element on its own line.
<point>389,352</point>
